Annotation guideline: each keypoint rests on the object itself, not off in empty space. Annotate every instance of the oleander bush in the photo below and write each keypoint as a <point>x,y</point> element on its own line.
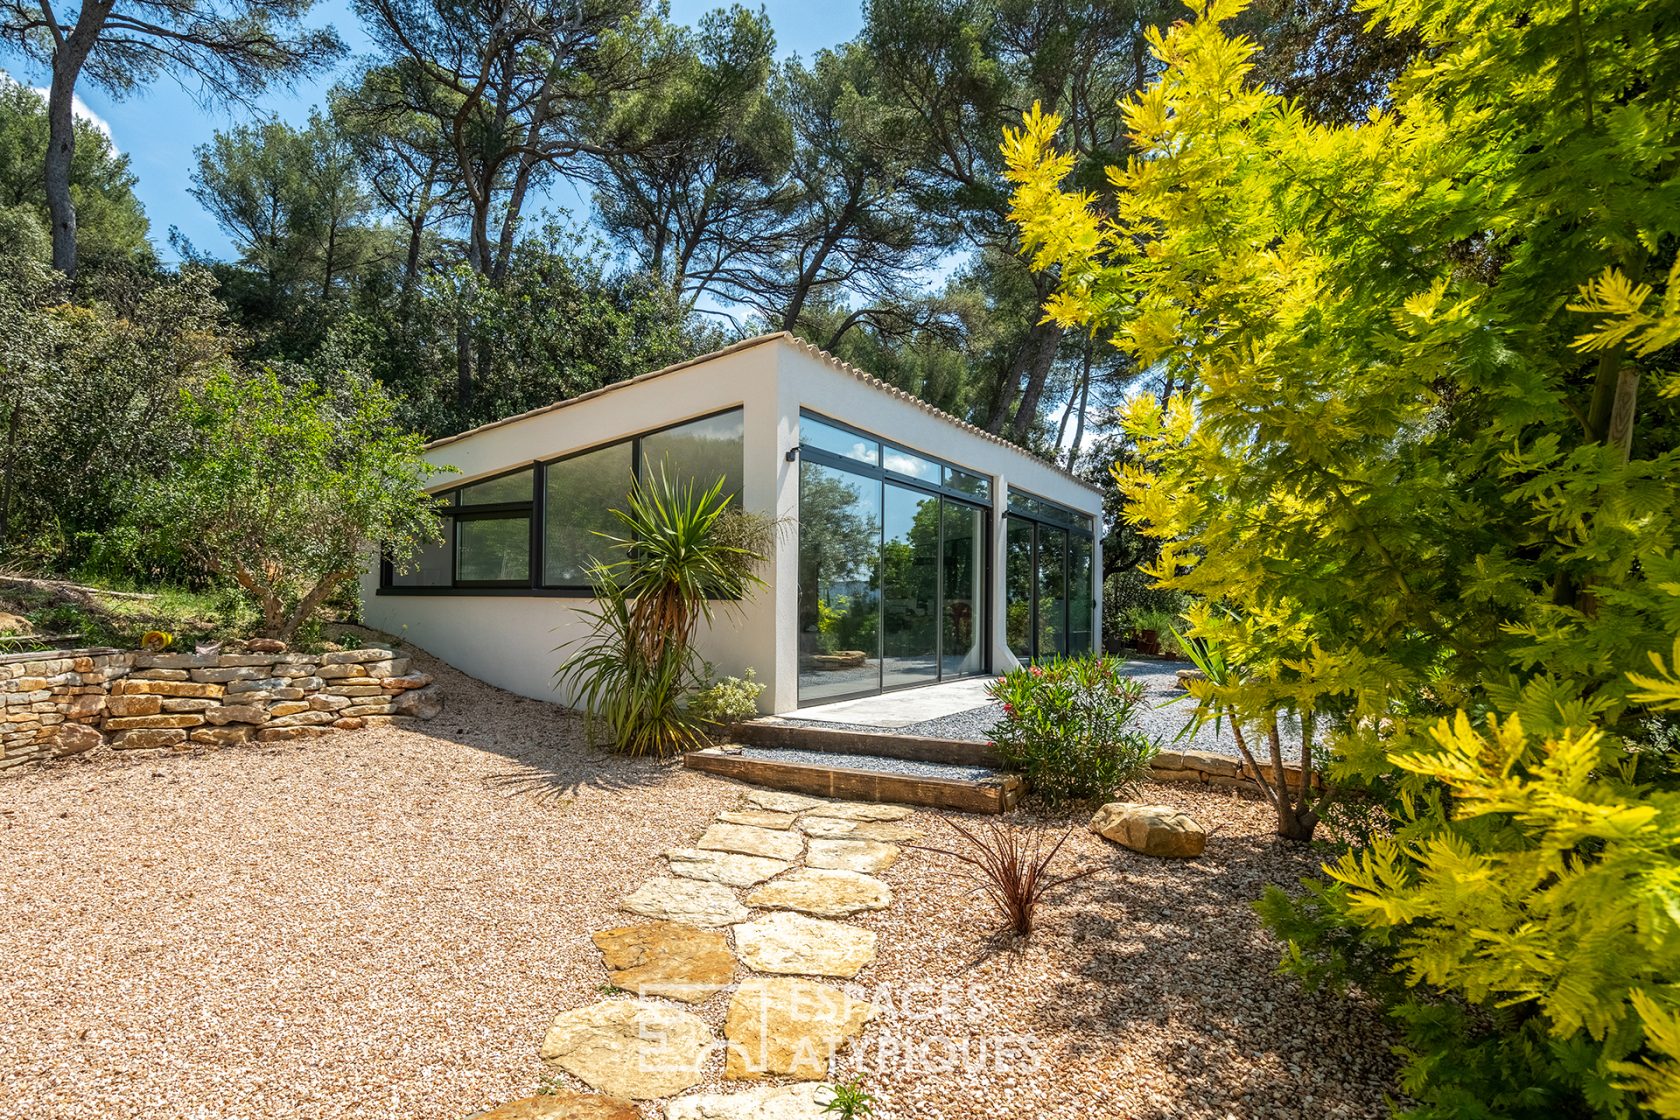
<point>1067,728</point>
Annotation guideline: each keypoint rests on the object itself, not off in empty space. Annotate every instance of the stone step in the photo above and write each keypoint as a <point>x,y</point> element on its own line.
<point>865,777</point>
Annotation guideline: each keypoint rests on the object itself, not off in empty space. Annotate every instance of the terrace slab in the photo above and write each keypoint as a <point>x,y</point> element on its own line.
<point>793,944</point>
<point>629,1047</point>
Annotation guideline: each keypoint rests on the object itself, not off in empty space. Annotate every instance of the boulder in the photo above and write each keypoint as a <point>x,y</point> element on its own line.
<point>828,894</point>
<point>629,1047</point>
<point>421,703</point>
<point>787,1026</point>
<point>670,959</point>
<point>1154,830</point>
<point>266,645</point>
<point>793,944</point>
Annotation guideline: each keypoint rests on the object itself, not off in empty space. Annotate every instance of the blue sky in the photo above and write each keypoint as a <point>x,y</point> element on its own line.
<point>160,126</point>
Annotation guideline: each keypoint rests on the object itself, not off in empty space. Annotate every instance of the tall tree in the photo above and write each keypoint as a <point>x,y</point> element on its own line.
<point>229,48</point>
<point>110,219</point>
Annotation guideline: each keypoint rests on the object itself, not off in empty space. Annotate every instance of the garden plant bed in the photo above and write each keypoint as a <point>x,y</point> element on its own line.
<point>862,777</point>
<point>383,923</point>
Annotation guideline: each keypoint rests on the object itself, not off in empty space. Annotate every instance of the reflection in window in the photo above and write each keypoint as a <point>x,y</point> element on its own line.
<point>838,441</point>
<point>968,483</point>
<point>579,496</point>
<point>963,580</point>
<point>1081,601</point>
<point>1052,591</point>
<point>430,566</point>
<point>909,587</point>
<point>903,462</point>
<point>493,549</point>
<point>839,583</point>
<point>1018,587</point>
<point>700,452</point>
<point>508,488</point>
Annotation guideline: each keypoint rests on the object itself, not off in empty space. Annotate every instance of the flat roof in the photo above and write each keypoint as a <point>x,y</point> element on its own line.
<point>797,343</point>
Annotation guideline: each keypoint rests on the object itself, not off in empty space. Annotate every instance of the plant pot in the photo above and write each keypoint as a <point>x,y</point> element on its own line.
<point>1148,642</point>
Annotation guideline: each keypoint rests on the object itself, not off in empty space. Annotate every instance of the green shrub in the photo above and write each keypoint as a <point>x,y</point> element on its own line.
<point>731,700</point>
<point>1065,728</point>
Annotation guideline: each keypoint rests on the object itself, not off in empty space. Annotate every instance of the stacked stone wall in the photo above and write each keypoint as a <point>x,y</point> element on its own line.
<point>69,702</point>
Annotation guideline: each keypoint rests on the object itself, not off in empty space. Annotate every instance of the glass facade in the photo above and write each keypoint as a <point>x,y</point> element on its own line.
<point>892,566</point>
<point>540,527</point>
<point>1050,602</point>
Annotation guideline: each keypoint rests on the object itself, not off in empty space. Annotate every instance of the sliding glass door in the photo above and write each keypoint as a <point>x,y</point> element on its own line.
<point>892,566</point>
<point>1048,580</point>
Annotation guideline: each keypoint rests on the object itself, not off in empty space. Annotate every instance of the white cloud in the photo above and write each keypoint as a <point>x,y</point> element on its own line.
<point>77,106</point>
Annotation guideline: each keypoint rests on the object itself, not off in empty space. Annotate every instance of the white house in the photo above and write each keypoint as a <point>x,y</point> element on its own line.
<point>916,548</point>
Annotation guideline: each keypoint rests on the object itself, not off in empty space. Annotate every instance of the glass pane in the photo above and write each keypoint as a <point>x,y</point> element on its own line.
<point>429,567</point>
<point>508,488</point>
<point>838,441</point>
<point>1018,587</point>
<point>1052,592</point>
<point>909,588</point>
<point>700,452</point>
<point>906,463</point>
<point>579,495</point>
<point>1081,602</point>
<point>968,483</point>
<point>493,548</point>
<point>839,581</point>
<point>962,570</point>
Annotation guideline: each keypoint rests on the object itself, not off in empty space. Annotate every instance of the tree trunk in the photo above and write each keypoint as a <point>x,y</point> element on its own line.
<point>69,52</point>
<point>309,604</point>
<point>1084,402</point>
<point>1026,413</point>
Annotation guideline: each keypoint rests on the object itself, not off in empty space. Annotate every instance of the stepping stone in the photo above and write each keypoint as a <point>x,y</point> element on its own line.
<point>670,959</point>
<point>863,811</point>
<point>770,1102</point>
<point>758,818</point>
<point>779,802</point>
<point>768,842</point>
<point>828,894</point>
<point>564,1104</point>
<point>784,1025</point>
<point>837,828</point>
<point>786,942</point>
<point>868,856</point>
<point>630,1047</point>
<point>686,900</point>
<point>728,868</point>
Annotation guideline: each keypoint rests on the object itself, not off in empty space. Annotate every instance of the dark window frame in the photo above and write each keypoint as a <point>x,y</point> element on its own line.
<point>879,469</point>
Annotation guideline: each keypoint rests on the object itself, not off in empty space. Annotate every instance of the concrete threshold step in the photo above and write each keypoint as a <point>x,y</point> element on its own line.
<point>857,776</point>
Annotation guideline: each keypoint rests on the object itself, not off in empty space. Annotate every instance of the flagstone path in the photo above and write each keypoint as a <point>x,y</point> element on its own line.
<point>804,865</point>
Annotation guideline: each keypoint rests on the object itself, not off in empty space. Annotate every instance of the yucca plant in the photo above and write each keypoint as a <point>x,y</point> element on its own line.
<point>680,549</point>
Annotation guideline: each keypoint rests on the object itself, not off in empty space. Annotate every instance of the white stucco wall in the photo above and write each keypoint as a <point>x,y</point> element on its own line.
<point>510,639</point>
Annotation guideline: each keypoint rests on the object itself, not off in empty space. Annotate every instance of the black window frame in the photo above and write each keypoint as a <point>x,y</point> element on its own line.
<point>1037,511</point>
<point>533,586</point>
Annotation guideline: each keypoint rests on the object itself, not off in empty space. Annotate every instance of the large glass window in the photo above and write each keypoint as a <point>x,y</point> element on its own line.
<point>1048,585</point>
<point>700,452</point>
<point>493,549</point>
<point>963,581</point>
<point>432,565</point>
<point>1081,603</point>
<point>909,587</point>
<point>839,583</point>
<point>579,495</point>
<point>508,488</point>
<point>1052,591</point>
<point>1018,587</point>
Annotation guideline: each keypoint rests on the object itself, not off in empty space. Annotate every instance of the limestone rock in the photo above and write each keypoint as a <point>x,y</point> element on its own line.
<point>863,811</point>
<point>1154,830</point>
<point>836,828</point>
<point>868,856</point>
<point>290,734</point>
<point>686,900</point>
<point>72,738</point>
<point>134,705</point>
<point>222,736</point>
<point>785,1025</point>
<point>768,842</point>
<point>266,645</point>
<point>826,893</point>
<point>758,818</point>
<point>564,1105</point>
<point>421,703</point>
<point>670,959</point>
<point>785,942</point>
<point>235,713</point>
<point>147,739</point>
<point>804,1101</point>
<point>629,1047</point>
<point>778,802</point>
<point>729,868</point>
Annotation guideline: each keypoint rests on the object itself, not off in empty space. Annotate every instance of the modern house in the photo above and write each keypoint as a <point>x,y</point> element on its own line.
<point>915,548</point>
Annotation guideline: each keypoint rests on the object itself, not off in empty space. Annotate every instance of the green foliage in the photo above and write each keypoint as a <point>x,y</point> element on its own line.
<point>1065,727</point>
<point>731,700</point>
<point>682,548</point>
<point>286,490</point>
<point>111,224</point>
<point>850,1100</point>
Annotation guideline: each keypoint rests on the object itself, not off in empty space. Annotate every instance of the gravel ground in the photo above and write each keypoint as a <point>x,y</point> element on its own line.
<point>1162,714</point>
<point>382,924</point>
<point>904,766</point>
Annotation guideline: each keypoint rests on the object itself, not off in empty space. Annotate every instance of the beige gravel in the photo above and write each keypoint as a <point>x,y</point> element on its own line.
<point>382,924</point>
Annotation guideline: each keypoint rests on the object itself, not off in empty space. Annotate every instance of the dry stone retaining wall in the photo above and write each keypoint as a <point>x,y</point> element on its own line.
<point>57,704</point>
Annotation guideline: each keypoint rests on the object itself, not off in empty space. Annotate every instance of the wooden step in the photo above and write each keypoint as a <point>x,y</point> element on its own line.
<point>773,732</point>
<point>996,794</point>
